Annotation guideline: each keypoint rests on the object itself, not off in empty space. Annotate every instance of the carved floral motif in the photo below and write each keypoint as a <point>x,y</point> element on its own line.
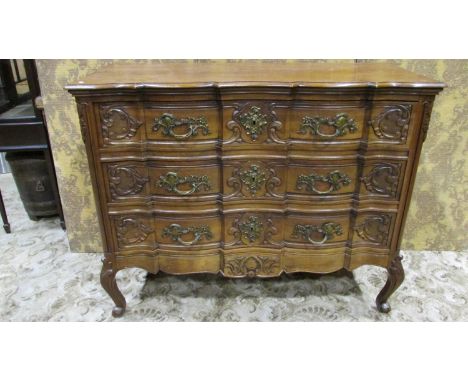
<point>125,180</point>
<point>428,103</point>
<point>118,124</point>
<point>251,266</point>
<point>383,179</point>
<point>375,228</point>
<point>83,120</point>
<point>131,231</point>
<point>392,123</point>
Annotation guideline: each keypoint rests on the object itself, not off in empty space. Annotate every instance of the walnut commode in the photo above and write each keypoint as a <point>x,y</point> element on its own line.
<point>252,169</point>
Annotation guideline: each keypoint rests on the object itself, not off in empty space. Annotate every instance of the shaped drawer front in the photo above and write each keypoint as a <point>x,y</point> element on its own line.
<point>145,231</point>
<point>253,179</point>
<point>130,180</point>
<point>383,178</point>
<point>253,229</point>
<point>250,123</point>
<point>321,179</point>
<point>120,123</point>
<point>374,229</point>
<point>188,231</point>
<point>127,123</point>
<point>182,124</point>
<point>316,230</point>
<point>185,181</point>
<point>392,123</point>
<point>322,124</point>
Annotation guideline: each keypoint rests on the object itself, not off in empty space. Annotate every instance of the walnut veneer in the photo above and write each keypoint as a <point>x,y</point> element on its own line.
<point>253,169</point>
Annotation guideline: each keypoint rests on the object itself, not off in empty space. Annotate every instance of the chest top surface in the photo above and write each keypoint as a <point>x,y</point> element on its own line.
<point>252,73</point>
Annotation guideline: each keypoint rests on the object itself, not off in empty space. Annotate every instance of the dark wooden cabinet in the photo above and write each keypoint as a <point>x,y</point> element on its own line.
<point>253,169</point>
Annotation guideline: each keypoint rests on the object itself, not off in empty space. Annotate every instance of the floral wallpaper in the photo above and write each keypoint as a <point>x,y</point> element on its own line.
<point>437,217</point>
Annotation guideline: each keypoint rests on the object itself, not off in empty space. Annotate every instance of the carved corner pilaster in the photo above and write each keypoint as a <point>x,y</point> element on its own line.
<point>82,117</point>
<point>427,105</point>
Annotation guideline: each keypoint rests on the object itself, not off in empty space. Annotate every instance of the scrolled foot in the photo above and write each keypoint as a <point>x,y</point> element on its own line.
<point>118,311</point>
<point>396,275</point>
<point>384,307</point>
<point>109,283</point>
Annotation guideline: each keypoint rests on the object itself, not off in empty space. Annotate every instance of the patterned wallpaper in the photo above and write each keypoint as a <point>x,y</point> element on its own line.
<point>438,214</point>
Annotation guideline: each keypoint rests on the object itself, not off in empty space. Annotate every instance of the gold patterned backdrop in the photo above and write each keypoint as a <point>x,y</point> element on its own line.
<point>438,215</point>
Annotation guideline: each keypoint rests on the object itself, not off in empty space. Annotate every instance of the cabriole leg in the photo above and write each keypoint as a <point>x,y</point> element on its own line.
<point>109,283</point>
<point>396,275</point>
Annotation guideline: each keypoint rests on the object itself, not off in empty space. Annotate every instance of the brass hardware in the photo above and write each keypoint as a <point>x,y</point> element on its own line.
<point>253,178</point>
<point>168,122</point>
<point>328,230</point>
<point>171,181</point>
<point>175,231</point>
<point>342,124</point>
<point>253,121</point>
<point>251,229</point>
<point>335,179</point>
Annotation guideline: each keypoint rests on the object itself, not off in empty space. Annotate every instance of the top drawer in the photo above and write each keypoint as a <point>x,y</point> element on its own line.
<point>251,124</point>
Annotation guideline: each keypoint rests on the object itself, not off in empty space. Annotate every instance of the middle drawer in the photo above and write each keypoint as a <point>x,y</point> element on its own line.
<point>236,181</point>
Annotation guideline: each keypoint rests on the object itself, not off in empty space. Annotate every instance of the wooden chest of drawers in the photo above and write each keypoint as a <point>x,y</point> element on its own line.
<point>253,169</point>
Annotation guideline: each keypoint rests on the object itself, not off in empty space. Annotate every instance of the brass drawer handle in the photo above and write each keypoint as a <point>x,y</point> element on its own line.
<point>168,122</point>
<point>171,181</point>
<point>335,179</point>
<point>342,124</point>
<point>175,231</point>
<point>328,230</point>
